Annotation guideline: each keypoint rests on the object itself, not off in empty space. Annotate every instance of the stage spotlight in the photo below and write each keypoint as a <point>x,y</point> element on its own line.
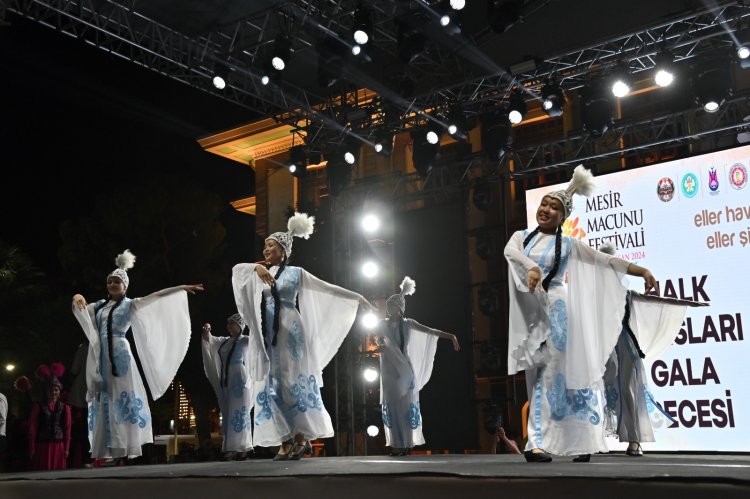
<point>221,75</point>
<point>370,374</point>
<point>265,79</point>
<point>496,134</point>
<point>457,124</point>
<point>432,137</point>
<point>298,161</point>
<point>458,4</point>
<point>516,108</point>
<point>362,29</point>
<point>597,110</point>
<point>370,269</point>
<point>370,320</point>
<point>373,430</point>
<point>281,53</point>
<point>350,150</point>
<point>743,46</point>
<point>620,81</point>
<point>370,223</point>
<point>711,84</point>
<point>489,299</point>
<point>664,69</point>
<point>424,154</point>
<point>553,99</point>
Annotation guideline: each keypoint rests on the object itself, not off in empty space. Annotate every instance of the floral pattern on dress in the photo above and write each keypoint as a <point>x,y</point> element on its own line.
<point>577,403</point>
<point>129,409</point>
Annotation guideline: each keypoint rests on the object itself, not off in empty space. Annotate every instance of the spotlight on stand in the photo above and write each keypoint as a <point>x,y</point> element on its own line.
<point>597,109</point>
<point>553,99</point>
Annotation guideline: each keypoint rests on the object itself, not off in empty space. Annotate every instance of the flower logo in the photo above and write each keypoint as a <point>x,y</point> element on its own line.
<point>571,229</point>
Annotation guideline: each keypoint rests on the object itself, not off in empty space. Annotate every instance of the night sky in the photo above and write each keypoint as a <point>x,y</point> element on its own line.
<point>75,120</point>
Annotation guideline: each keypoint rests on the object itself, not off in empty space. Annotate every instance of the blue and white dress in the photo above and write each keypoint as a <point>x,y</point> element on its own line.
<point>563,338</point>
<point>224,361</point>
<point>406,360</point>
<point>288,374</point>
<point>119,418</point>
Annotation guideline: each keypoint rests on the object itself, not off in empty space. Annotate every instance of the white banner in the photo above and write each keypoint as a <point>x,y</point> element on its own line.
<point>688,221</point>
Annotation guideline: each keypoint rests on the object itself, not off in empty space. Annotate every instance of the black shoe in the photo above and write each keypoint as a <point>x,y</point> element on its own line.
<point>583,458</point>
<point>537,457</point>
<point>637,452</point>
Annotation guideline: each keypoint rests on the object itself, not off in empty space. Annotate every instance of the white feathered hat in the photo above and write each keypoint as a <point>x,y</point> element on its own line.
<point>581,183</point>
<point>124,262</point>
<point>408,286</point>
<point>299,225</point>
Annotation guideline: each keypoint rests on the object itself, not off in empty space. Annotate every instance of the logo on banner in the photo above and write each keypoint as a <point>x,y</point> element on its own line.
<point>713,180</point>
<point>738,176</point>
<point>689,185</point>
<point>665,189</point>
<point>571,229</point>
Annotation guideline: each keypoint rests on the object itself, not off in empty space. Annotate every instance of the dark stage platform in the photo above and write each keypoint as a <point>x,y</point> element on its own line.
<point>608,476</point>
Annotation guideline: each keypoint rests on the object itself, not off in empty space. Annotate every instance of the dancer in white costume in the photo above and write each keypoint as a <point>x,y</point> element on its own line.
<point>562,334</point>
<point>226,369</point>
<point>289,347</point>
<point>407,353</point>
<point>631,408</point>
<point>119,417</point>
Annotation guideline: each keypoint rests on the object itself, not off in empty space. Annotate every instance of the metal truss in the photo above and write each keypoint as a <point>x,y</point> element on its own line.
<point>122,29</point>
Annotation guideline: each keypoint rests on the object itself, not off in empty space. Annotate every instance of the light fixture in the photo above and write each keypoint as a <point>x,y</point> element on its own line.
<point>597,109</point>
<point>432,137</point>
<point>458,4</point>
<point>373,430</point>
<point>10,367</point>
<point>553,99</point>
<point>620,81</point>
<point>356,49</point>
<point>298,161</point>
<point>362,29</point>
<point>370,269</point>
<point>370,374</point>
<point>281,53</point>
<point>349,150</point>
<point>370,320</point>
<point>495,133</point>
<point>221,75</point>
<point>516,108</point>
<point>743,46</point>
<point>370,223</point>
<point>424,154</point>
<point>711,84</point>
<point>664,69</point>
<point>457,123</point>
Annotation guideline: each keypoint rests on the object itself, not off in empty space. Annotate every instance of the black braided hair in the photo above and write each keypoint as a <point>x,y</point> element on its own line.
<point>401,330</point>
<point>225,368</point>
<point>558,250</point>
<point>275,294</point>
<point>110,346</point>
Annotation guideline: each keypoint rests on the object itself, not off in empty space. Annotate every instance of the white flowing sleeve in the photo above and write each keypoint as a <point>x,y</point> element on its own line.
<point>248,290</point>
<point>161,330</point>
<point>328,312</point>
<point>212,362</point>
<point>656,321</point>
<point>94,381</point>
<point>528,313</point>
<point>421,351</point>
<point>596,307</point>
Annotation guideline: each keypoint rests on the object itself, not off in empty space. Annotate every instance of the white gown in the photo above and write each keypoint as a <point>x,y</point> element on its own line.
<point>405,367</point>
<point>563,338</point>
<point>289,375</point>
<point>227,371</point>
<point>119,417</point>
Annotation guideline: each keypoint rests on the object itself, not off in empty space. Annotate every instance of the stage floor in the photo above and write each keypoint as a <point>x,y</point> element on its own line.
<point>449,475</point>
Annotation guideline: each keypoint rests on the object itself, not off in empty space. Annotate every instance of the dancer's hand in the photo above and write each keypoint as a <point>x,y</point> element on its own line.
<point>79,301</point>
<point>456,346</point>
<point>192,288</point>
<point>649,281</point>
<point>265,275</point>
<point>206,331</point>
<point>534,277</point>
